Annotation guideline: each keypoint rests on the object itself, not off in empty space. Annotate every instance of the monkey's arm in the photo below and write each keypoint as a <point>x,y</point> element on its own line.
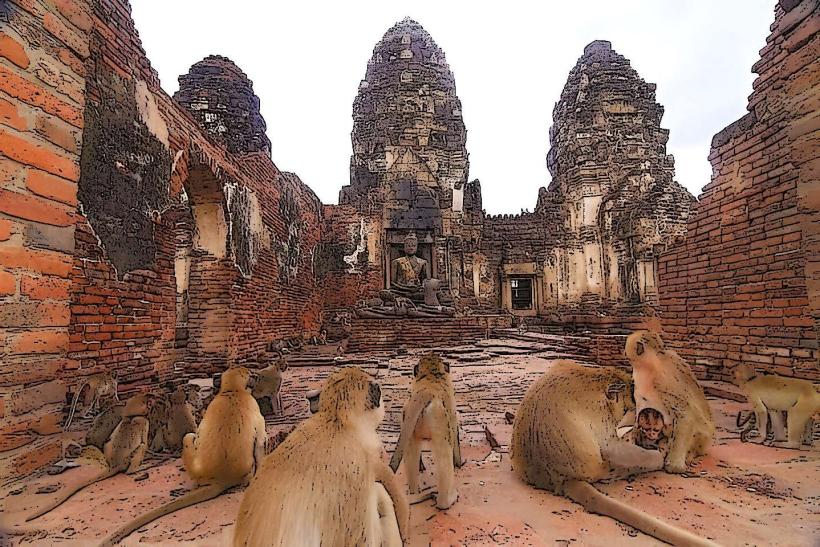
<point>396,493</point>
<point>412,412</point>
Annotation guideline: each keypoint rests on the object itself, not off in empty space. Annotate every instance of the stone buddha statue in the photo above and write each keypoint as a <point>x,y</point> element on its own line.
<point>408,272</point>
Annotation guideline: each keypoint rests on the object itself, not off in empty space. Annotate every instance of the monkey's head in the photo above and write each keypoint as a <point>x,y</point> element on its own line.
<point>743,373</point>
<point>350,394</point>
<point>178,396</point>
<point>651,424</point>
<point>643,346</point>
<point>235,379</point>
<point>431,365</point>
<point>136,406</point>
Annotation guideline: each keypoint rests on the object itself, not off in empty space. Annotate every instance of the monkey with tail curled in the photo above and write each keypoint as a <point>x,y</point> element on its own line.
<point>327,484</point>
<point>224,452</point>
<point>123,451</point>
<point>565,438</point>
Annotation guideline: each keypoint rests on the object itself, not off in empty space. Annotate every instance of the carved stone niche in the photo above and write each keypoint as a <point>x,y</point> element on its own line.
<point>522,288</point>
<point>394,248</point>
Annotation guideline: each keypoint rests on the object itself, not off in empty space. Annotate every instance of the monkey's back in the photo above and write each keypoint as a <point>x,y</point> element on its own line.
<point>558,425</point>
<point>313,489</point>
<point>682,394</point>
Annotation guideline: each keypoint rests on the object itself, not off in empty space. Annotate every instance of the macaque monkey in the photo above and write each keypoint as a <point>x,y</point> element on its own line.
<point>178,421</point>
<point>664,382</point>
<point>648,432</point>
<point>268,384</point>
<point>99,385</point>
<point>769,394</point>
<point>104,424</point>
<point>430,414</point>
<point>223,453</point>
<point>327,484</point>
<point>123,452</point>
<point>564,438</point>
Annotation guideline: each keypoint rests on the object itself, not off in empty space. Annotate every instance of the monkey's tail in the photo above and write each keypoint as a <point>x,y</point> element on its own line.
<point>595,501</point>
<point>73,408</point>
<point>199,495</point>
<point>59,501</point>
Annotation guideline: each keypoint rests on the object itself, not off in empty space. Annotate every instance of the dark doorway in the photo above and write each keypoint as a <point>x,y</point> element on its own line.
<point>521,288</point>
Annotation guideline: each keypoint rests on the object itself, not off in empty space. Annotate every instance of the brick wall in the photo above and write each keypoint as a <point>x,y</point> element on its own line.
<point>744,286</point>
<point>42,80</point>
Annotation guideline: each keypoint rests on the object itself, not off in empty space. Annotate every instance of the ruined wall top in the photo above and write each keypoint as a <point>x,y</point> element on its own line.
<point>220,96</point>
<point>406,103</point>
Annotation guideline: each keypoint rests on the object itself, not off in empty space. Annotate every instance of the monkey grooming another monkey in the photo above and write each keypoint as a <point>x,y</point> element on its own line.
<point>769,394</point>
<point>226,448</point>
<point>430,414</point>
<point>269,383</point>
<point>99,385</point>
<point>564,438</point>
<point>664,382</point>
<point>326,484</point>
<point>177,422</point>
<point>123,452</point>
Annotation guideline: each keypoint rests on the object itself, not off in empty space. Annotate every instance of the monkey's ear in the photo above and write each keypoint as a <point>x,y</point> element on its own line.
<point>614,389</point>
<point>416,370</point>
<point>639,348</point>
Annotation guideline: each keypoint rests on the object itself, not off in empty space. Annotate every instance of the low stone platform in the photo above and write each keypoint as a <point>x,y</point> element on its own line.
<point>740,494</point>
<point>387,334</point>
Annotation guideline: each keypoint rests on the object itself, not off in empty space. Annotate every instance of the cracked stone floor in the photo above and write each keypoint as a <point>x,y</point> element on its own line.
<point>739,494</point>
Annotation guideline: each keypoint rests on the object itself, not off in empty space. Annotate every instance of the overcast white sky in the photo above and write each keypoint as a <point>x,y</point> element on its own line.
<point>510,60</point>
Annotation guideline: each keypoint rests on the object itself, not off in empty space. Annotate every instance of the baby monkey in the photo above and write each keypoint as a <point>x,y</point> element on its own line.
<point>649,431</point>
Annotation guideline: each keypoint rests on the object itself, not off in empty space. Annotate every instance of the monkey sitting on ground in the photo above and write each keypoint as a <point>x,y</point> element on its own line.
<point>326,484</point>
<point>769,394</point>
<point>224,452</point>
<point>268,385</point>
<point>430,414</point>
<point>664,382</point>
<point>564,438</point>
<point>177,421</point>
<point>123,451</point>
<point>99,385</point>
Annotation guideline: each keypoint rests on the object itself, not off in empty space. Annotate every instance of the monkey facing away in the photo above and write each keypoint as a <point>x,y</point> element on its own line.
<point>769,394</point>
<point>430,414</point>
<point>177,421</point>
<point>269,383</point>
<point>664,382</point>
<point>123,451</point>
<point>99,385</point>
<point>327,484</point>
<point>564,438</point>
<point>223,453</point>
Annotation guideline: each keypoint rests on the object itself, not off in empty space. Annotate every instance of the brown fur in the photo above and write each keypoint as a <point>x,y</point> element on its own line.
<point>769,394</point>
<point>223,453</point>
<point>564,438</point>
<point>648,432</point>
<point>99,385</point>
<point>123,451</point>
<point>665,382</point>
<point>177,421</point>
<point>430,414</point>
<point>104,424</point>
<point>321,485</point>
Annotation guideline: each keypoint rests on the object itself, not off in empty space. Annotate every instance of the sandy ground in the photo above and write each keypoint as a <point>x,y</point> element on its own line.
<point>740,494</point>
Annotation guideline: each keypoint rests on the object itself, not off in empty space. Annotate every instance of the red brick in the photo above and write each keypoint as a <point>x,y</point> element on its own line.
<point>49,186</point>
<point>8,283</point>
<point>35,95</point>
<point>46,262</point>
<point>5,229</point>
<point>13,50</point>
<point>37,155</point>
<point>41,288</point>
<point>76,13</point>
<point>58,132</point>
<point>9,116</point>
<point>71,38</point>
<point>39,341</point>
<point>34,208</point>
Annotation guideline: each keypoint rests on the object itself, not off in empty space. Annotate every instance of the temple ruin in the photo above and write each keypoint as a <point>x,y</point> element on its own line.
<point>154,237</point>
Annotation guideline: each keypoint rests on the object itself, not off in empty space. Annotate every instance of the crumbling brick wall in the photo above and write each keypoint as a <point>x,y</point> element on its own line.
<point>744,286</point>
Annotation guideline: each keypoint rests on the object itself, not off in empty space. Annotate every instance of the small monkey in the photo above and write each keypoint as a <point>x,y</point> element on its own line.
<point>99,385</point>
<point>664,382</point>
<point>123,452</point>
<point>269,383</point>
<point>327,484</point>
<point>769,394</point>
<point>177,422</point>
<point>224,452</point>
<point>430,414</point>
<point>104,424</point>
<point>564,438</point>
<point>649,430</point>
